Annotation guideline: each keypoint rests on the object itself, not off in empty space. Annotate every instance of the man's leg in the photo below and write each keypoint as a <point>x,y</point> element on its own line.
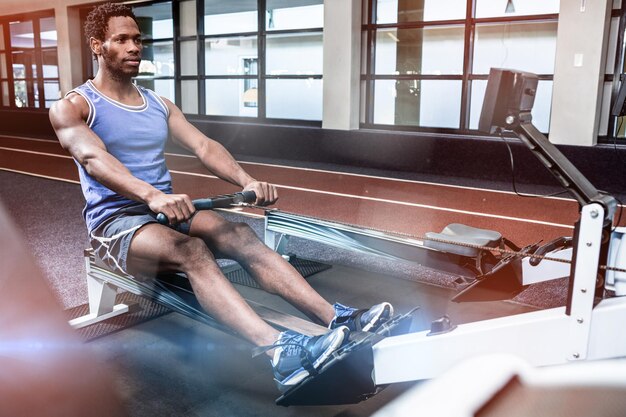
<point>155,248</point>
<point>239,242</point>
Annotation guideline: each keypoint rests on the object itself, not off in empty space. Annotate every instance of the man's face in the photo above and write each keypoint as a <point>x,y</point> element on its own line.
<point>121,49</point>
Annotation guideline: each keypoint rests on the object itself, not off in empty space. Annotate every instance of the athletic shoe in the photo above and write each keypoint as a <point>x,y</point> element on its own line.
<point>297,356</point>
<point>361,320</point>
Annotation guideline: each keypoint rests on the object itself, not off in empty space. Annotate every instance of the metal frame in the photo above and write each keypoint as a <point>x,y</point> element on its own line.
<point>547,337</point>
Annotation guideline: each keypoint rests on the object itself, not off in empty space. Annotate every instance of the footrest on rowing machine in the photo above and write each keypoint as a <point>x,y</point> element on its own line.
<point>347,377</point>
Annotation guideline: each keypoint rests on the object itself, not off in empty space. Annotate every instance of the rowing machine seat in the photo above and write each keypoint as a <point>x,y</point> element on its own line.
<point>461,234</point>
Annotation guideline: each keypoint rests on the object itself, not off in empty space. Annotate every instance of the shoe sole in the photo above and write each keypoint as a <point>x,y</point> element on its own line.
<point>297,377</point>
<point>374,323</point>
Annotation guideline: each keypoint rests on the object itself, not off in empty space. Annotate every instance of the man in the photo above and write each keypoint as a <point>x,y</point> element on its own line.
<point>116,133</point>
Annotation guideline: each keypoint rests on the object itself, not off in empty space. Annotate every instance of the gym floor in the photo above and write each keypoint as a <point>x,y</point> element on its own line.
<point>172,365</point>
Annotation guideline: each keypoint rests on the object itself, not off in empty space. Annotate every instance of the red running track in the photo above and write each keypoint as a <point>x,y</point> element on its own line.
<point>401,206</point>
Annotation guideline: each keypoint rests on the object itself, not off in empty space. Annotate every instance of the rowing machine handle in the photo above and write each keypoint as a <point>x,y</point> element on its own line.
<point>220,201</point>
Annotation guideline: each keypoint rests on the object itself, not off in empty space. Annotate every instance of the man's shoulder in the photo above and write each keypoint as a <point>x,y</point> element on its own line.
<point>72,103</point>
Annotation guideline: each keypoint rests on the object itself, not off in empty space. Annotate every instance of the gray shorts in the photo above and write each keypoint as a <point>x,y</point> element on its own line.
<point>111,238</point>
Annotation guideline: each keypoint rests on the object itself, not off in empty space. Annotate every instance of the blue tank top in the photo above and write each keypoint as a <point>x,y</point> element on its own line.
<point>136,136</point>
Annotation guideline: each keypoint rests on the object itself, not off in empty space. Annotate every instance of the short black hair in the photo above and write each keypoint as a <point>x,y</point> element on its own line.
<point>97,20</point>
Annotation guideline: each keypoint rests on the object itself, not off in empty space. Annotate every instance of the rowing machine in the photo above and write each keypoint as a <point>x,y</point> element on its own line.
<point>102,284</point>
<point>588,327</point>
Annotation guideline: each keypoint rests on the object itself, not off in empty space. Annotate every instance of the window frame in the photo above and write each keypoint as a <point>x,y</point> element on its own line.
<point>37,80</point>
<point>368,67</point>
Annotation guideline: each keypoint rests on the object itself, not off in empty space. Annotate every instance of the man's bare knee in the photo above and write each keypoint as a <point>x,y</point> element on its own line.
<point>191,252</point>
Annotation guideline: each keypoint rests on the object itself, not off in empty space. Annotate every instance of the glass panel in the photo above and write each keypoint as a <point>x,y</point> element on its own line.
<point>164,88</point>
<point>21,96</point>
<point>499,8</point>
<point>295,53</point>
<point>24,64</point>
<point>428,103</point>
<point>157,59</point>
<point>1,37</point>
<point>3,66</point>
<point>523,46</point>
<point>5,93</point>
<point>605,110</point>
<point>432,50</point>
<point>282,15</point>
<point>612,46</point>
<point>22,35</point>
<point>189,58</point>
<point>540,112</point>
<point>189,96</point>
<point>394,11</point>
<point>230,16</point>
<point>48,32</point>
<point>35,88</point>
<point>226,98</point>
<point>225,56</point>
<point>155,20</point>
<point>188,18</point>
<point>51,91</point>
<point>50,65</point>
<point>294,99</point>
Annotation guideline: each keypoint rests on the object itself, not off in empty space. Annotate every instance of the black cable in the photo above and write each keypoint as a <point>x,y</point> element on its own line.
<point>512,162</point>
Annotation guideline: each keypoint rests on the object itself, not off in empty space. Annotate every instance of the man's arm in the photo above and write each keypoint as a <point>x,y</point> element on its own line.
<point>68,120</point>
<point>215,157</point>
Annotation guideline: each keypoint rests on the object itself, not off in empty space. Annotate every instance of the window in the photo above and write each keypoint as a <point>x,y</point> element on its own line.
<point>245,62</point>
<point>157,69</point>
<point>426,62</point>
<point>29,76</point>
<point>613,129</point>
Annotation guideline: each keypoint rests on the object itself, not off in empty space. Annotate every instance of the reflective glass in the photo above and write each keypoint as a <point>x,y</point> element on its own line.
<point>22,35</point>
<point>157,59</point>
<point>48,32</point>
<point>523,46</point>
<point>283,15</point>
<point>189,96</point>
<point>540,111</point>
<point>221,17</point>
<point>51,91</point>
<point>5,93</point>
<point>433,50</point>
<point>225,97</point>
<point>1,38</point>
<point>24,65</point>
<point>3,66</point>
<point>164,88</point>
<point>155,20</point>
<point>189,58</point>
<point>35,88</point>
<point>295,54</point>
<point>227,56</point>
<point>500,8</point>
<point>426,103</point>
<point>394,11</point>
<point>21,95</point>
<point>50,65</point>
<point>187,18</point>
<point>294,99</point>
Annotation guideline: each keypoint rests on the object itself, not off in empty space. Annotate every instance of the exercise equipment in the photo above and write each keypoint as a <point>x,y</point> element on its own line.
<point>510,387</point>
<point>222,201</point>
<point>589,327</point>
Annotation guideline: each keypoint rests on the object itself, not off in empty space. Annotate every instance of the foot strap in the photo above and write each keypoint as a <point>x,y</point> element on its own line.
<point>357,319</point>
